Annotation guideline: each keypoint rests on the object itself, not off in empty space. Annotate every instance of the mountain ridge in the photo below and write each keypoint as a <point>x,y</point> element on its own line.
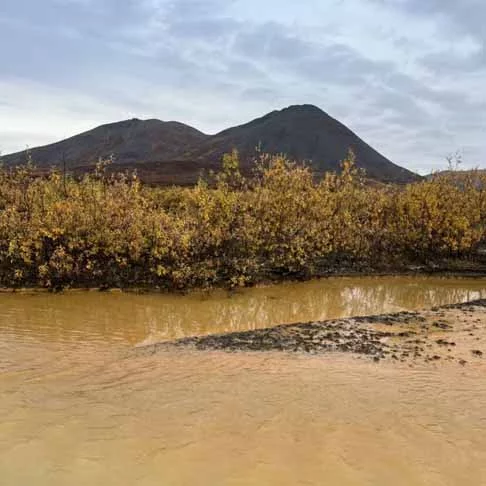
<point>304,133</point>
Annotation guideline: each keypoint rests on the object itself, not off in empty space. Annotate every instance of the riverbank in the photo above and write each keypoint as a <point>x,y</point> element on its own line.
<point>451,333</point>
<point>446,268</point>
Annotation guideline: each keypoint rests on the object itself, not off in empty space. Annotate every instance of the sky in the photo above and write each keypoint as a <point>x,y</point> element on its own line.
<point>408,76</point>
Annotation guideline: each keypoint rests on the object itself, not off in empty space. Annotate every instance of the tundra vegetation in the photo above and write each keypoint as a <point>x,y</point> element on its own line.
<point>109,230</point>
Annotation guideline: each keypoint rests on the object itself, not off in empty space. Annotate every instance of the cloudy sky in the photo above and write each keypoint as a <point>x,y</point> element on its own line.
<point>408,76</point>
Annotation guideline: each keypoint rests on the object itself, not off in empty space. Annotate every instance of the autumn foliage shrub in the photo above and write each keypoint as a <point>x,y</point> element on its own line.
<point>112,231</point>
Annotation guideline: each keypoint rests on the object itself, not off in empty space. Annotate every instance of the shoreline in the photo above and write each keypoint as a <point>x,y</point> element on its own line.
<point>458,269</point>
<point>450,333</point>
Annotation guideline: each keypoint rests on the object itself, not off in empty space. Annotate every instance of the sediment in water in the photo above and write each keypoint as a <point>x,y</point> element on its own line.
<point>453,332</point>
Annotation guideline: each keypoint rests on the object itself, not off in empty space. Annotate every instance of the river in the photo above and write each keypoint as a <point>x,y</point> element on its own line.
<point>79,407</point>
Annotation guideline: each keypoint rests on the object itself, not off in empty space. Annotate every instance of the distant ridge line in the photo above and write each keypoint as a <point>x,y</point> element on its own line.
<point>175,153</point>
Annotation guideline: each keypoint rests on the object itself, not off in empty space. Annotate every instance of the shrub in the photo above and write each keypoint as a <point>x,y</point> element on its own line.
<point>58,231</point>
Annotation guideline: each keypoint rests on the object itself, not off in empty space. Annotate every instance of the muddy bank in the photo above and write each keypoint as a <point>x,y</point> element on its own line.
<point>454,268</point>
<point>455,333</point>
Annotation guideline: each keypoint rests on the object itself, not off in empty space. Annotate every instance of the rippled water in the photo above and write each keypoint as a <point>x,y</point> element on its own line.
<point>77,408</point>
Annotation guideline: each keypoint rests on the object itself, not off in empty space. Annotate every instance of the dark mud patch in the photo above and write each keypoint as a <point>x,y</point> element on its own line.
<point>404,336</point>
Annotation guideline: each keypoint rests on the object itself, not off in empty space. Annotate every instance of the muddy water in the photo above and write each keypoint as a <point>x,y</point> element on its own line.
<point>77,407</point>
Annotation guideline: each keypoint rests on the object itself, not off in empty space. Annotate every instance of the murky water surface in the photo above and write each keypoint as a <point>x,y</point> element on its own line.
<point>78,408</point>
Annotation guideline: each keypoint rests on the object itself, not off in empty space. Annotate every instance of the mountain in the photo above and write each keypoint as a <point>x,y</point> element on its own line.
<point>130,141</point>
<point>303,133</point>
<point>171,152</point>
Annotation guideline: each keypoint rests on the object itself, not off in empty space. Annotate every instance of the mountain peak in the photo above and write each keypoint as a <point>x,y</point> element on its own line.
<point>305,108</point>
<point>304,133</point>
<point>296,111</point>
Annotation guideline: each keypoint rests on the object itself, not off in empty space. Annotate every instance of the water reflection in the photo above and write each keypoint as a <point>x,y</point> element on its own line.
<point>136,319</point>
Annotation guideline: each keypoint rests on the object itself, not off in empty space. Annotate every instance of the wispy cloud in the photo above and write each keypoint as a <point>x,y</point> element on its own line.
<point>407,75</point>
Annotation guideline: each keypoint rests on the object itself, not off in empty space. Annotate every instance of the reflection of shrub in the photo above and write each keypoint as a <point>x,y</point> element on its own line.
<point>112,231</point>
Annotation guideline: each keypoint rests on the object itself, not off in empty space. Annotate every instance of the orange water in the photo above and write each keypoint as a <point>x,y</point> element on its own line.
<point>78,407</point>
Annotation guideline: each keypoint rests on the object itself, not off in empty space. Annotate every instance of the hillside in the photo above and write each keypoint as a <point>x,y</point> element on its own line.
<point>130,141</point>
<point>171,152</point>
<point>303,133</point>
